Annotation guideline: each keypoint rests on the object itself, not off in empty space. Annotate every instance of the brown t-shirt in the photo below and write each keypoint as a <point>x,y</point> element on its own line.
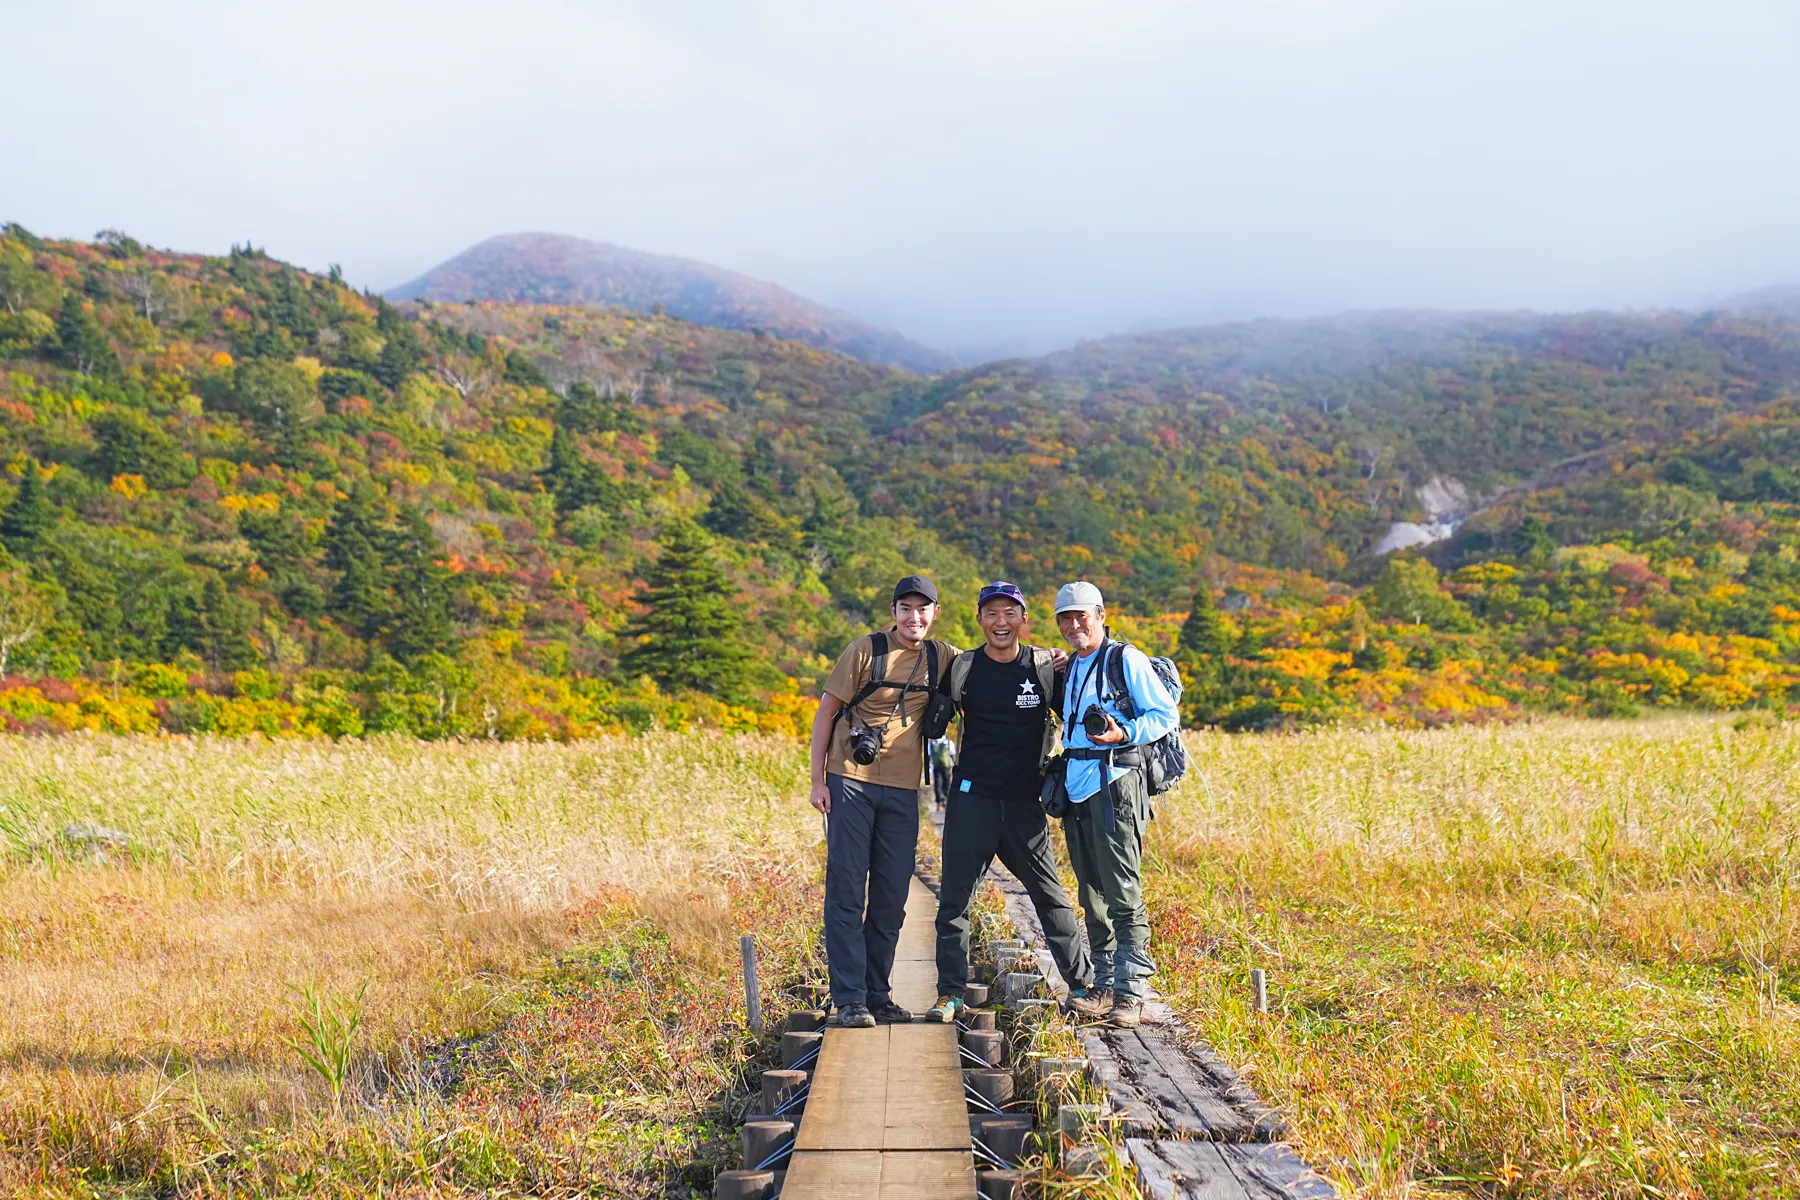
<point>902,749</point>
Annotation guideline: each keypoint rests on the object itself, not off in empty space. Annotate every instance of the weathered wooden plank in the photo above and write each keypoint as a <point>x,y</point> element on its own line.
<point>886,1116</point>
<point>1189,1101</point>
<point>1277,1171</point>
<point>925,1108</point>
<point>833,1175</point>
<point>934,1175</point>
<point>1184,1171</point>
<point>1177,1170</point>
<point>873,1175</point>
<point>914,977</point>
<point>849,1092</point>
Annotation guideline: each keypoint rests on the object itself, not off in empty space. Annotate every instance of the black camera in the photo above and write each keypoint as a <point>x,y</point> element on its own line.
<point>1094,720</point>
<point>865,744</point>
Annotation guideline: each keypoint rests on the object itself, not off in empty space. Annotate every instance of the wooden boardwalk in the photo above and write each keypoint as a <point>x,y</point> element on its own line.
<point>886,1119</point>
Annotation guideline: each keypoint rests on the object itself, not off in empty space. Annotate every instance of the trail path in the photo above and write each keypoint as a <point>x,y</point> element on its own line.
<point>886,1118</point>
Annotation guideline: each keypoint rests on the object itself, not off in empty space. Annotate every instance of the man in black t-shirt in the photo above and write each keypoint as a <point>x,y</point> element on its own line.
<point>1006,693</point>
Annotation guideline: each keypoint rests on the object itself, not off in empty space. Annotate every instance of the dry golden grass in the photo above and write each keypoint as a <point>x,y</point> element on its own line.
<point>1549,960</point>
<point>149,992</point>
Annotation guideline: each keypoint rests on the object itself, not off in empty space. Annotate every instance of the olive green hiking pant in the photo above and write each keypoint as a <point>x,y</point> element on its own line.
<point>1108,866</point>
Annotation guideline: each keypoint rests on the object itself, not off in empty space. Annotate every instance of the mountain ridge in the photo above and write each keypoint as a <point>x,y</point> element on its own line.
<point>549,268</point>
<point>404,517</point>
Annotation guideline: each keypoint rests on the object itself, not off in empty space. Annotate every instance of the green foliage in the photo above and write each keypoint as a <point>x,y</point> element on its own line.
<point>1203,655</point>
<point>328,1023</point>
<point>81,344</point>
<point>1407,590</point>
<point>30,515</point>
<point>690,636</point>
<point>236,465</point>
<point>132,443</point>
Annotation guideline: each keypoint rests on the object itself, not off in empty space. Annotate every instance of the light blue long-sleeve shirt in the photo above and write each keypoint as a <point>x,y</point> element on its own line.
<point>1157,714</point>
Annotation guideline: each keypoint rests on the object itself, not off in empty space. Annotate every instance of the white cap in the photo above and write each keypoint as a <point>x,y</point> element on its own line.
<point>1080,594</point>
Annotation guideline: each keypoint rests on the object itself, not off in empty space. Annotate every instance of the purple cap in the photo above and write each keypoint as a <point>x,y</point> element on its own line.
<point>1001,590</point>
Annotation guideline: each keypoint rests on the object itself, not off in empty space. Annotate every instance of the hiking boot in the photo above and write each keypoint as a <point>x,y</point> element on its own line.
<point>945,1010</point>
<point>1127,1012</point>
<point>889,1013</point>
<point>1091,1002</point>
<point>855,1016</point>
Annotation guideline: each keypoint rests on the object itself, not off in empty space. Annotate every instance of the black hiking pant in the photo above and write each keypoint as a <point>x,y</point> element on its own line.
<point>976,830</point>
<point>870,849</point>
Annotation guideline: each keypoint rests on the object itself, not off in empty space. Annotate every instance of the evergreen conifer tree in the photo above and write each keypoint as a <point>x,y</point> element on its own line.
<point>1202,653</point>
<point>420,624</point>
<point>29,516</point>
<point>226,620</point>
<point>827,528</point>
<point>85,346</point>
<point>353,549</point>
<point>690,637</point>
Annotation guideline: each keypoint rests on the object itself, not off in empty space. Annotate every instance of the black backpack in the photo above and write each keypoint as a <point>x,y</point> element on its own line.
<point>1165,759</point>
<point>936,712</point>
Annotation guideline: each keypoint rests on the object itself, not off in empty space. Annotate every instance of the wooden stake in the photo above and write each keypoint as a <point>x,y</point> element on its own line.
<point>752,996</point>
<point>1259,984</point>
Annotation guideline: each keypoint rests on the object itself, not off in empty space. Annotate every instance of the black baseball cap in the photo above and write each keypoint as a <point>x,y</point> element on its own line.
<point>915,585</point>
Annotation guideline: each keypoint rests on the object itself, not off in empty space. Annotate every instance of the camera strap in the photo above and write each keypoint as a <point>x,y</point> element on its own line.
<point>1095,675</point>
<point>878,660</point>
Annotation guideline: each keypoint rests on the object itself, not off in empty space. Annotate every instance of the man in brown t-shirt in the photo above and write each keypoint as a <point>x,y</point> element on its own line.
<point>873,806</point>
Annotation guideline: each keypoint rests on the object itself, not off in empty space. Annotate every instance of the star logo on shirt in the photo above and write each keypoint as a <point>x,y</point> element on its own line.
<point>1028,687</point>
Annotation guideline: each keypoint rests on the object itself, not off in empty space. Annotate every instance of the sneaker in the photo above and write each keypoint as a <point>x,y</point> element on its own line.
<point>945,1010</point>
<point>1091,1002</point>
<point>889,1013</point>
<point>855,1016</point>
<point>1127,1012</point>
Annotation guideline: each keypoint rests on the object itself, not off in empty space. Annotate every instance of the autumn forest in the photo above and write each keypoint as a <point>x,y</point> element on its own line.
<point>242,497</point>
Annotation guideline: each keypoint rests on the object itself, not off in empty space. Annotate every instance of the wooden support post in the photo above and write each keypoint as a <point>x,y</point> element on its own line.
<point>1259,986</point>
<point>752,995</point>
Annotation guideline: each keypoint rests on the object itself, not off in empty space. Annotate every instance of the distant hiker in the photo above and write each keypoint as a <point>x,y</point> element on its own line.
<point>943,764</point>
<point>868,749</point>
<point>1116,706</point>
<point>1006,692</point>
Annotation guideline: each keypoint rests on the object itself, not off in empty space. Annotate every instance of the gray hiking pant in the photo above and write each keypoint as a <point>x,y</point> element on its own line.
<point>869,856</point>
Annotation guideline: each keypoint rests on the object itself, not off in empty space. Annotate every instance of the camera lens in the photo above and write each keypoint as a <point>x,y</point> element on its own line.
<point>865,744</point>
<point>1093,721</point>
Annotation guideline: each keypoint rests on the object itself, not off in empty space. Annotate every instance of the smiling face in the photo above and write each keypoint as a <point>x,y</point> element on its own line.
<point>1083,628</point>
<point>913,616</point>
<point>1002,621</point>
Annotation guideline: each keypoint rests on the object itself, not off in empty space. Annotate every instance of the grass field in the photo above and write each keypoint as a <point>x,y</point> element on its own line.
<point>547,935</point>
<point>1548,960</point>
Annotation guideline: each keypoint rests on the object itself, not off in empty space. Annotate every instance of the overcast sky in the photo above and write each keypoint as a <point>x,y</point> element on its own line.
<point>981,174</point>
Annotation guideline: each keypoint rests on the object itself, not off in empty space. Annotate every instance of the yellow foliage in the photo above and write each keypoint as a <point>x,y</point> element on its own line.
<point>129,486</point>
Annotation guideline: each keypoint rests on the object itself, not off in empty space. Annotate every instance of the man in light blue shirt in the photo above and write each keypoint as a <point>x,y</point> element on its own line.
<point>1104,730</point>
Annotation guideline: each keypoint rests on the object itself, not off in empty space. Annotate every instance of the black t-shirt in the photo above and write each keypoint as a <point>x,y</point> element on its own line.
<point>1004,710</point>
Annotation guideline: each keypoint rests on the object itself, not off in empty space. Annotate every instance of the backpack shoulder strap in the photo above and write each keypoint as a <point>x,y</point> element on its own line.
<point>1115,650</point>
<point>930,651</point>
<point>878,656</point>
<point>1045,668</point>
<point>959,674</point>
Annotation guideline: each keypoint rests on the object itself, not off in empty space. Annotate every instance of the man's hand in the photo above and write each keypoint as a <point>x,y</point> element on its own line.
<point>821,797</point>
<point>1115,733</point>
<point>1059,658</point>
